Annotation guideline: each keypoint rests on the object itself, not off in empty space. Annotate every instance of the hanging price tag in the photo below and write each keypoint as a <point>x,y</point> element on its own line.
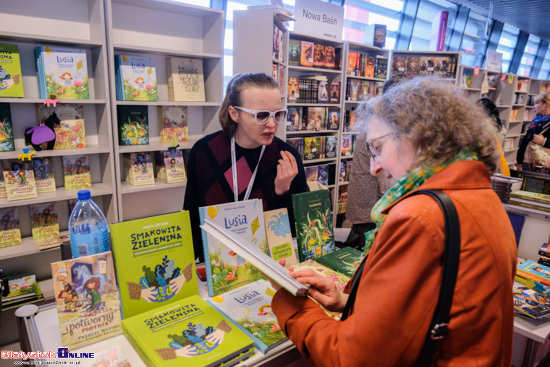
<point>503,77</point>
<point>476,71</point>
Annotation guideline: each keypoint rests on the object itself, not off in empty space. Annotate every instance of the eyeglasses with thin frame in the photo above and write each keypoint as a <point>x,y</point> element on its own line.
<point>262,117</point>
<point>369,144</point>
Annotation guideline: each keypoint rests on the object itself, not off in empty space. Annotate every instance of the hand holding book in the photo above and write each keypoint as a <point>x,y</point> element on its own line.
<point>322,289</point>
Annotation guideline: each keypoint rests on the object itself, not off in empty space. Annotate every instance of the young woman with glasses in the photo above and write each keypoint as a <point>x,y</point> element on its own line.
<point>422,133</point>
<point>244,160</point>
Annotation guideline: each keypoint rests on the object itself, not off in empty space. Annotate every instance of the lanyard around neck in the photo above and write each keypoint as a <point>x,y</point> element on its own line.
<point>234,167</point>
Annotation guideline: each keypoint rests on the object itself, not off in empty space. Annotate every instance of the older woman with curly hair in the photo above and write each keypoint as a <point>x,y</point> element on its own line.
<point>421,134</point>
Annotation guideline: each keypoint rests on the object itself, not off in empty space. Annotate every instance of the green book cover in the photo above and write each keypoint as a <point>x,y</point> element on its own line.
<point>187,332</point>
<point>6,128</point>
<point>225,270</point>
<point>345,261</point>
<point>313,220</point>
<point>86,297</point>
<point>249,307</point>
<point>11,81</point>
<point>133,125</point>
<point>155,261</point>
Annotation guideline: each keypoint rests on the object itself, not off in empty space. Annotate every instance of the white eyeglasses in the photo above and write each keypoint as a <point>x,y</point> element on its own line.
<point>262,117</point>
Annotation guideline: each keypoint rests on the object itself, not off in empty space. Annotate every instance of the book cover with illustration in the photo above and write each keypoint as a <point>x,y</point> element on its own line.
<point>19,181</point>
<point>138,168</point>
<point>155,261</point>
<point>11,81</point>
<point>4,165</point>
<point>76,172</point>
<point>136,78</point>
<point>10,233</point>
<point>345,260</point>
<point>331,143</point>
<point>249,308</point>
<point>279,235</point>
<point>293,92</point>
<point>294,52</point>
<point>174,124</point>
<point>333,121</point>
<point>306,53</point>
<point>6,127</point>
<point>86,297</point>
<point>43,174</point>
<point>133,125</point>
<point>322,174</point>
<point>21,286</point>
<point>298,144</point>
<point>185,79</point>
<point>226,270</point>
<point>169,166</point>
<point>316,117</point>
<point>313,220</point>
<point>335,91</point>
<point>62,72</point>
<point>530,303</point>
<point>294,119</point>
<point>311,173</point>
<point>186,332</point>
<point>44,224</point>
<point>312,147</point>
<point>70,132</point>
<point>346,145</point>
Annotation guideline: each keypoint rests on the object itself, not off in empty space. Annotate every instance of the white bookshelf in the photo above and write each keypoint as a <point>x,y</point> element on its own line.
<point>37,23</point>
<point>168,28</point>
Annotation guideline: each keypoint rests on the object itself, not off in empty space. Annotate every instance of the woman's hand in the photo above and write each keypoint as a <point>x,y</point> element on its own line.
<point>287,169</point>
<point>538,139</point>
<point>322,289</point>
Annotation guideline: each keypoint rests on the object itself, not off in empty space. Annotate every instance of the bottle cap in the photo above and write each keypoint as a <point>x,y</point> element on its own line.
<point>84,195</point>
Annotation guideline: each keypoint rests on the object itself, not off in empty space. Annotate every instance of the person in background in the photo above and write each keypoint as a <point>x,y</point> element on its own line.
<point>421,134</point>
<point>492,111</point>
<point>364,189</point>
<point>244,160</point>
<point>538,131</point>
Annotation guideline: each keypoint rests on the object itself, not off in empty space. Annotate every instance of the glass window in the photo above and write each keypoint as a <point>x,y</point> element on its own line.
<point>422,30</point>
<point>507,44</point>
<point>529,54</point>
<point>358,14</point>
<point>545,68</point>
<point>474,39</point>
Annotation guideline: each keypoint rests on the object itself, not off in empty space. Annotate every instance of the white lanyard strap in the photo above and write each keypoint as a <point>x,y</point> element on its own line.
<point>234,167</point>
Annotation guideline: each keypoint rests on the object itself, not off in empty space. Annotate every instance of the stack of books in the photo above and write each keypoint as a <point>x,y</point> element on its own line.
<point>544,253</point>
<point>23,289</point>
<point>534,276</point>
<point>504,185</point>
<point>530,200</point>
<point>530,303</point>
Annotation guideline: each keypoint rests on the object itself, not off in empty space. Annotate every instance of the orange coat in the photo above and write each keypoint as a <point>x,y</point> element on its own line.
<point>400,285</point>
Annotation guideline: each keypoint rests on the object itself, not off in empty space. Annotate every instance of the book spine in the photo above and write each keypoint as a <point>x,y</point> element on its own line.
<point>530,199</point>
<point>529,205</point>
<point>137,348</point>
<point>207,265</point>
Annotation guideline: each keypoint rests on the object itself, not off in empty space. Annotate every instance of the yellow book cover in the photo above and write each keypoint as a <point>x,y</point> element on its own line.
<point>76,169</point>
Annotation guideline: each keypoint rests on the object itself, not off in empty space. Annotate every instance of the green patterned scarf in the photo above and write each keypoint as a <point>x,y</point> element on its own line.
<point>403,186</point>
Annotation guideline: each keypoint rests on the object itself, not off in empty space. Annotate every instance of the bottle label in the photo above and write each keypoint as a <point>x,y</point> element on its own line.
<point>84,244</point>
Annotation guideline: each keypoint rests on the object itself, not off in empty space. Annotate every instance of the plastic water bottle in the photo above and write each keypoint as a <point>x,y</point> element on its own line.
<point>88,227</point>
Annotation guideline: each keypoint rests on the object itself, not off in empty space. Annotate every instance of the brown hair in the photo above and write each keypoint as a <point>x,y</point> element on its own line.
<point>233,96</point>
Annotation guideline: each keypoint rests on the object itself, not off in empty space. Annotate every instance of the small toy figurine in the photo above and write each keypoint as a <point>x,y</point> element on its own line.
<point>26,155</point>
<point>43,136</point>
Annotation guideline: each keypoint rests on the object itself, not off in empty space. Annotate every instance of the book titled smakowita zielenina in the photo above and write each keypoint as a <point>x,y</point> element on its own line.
<point>188,332</point>
<point>86,297</point>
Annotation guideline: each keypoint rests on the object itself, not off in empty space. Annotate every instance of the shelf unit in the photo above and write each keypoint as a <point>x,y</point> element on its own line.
<point>199,36</point>
<point>36,23</point>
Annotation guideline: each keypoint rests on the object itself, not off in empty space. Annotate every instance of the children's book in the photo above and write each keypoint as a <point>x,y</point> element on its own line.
<point>21,287</point>
<point>4,166</point>
<point>20,182</point>
<point>294,52</point>
<point>313,220</point>
<point>225,269</point>
<point>186,332</point>
<point>10,234</point>
<point>43,174</point>
<point>249,309</point>
<point>6,128</point>
<point>136,78</point>
<point>138,168</point>
<point>279,236</point>
<point>306,49</point>
<point>294,119</point>
<point>322,174</point>
<point>86,297</point>
<point>62,72</point>
<point>345,261</point>
<point>133,125</point>
<point>11,81</point>
<point>331,142</point>
<point>185,79</point>
<point>44,224</point>
<point>530,303</point>
<point>76,171</point>
<point>169,166</point>
<point>155,261</point>
<point>312,146</point>
<point>174,124</point>
<point>70,133</point>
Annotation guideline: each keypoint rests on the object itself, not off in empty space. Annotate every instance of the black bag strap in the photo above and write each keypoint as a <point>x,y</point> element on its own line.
<point>451,256</point>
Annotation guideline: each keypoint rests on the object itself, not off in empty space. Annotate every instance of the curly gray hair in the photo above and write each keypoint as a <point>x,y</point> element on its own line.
<point>436,117</point>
